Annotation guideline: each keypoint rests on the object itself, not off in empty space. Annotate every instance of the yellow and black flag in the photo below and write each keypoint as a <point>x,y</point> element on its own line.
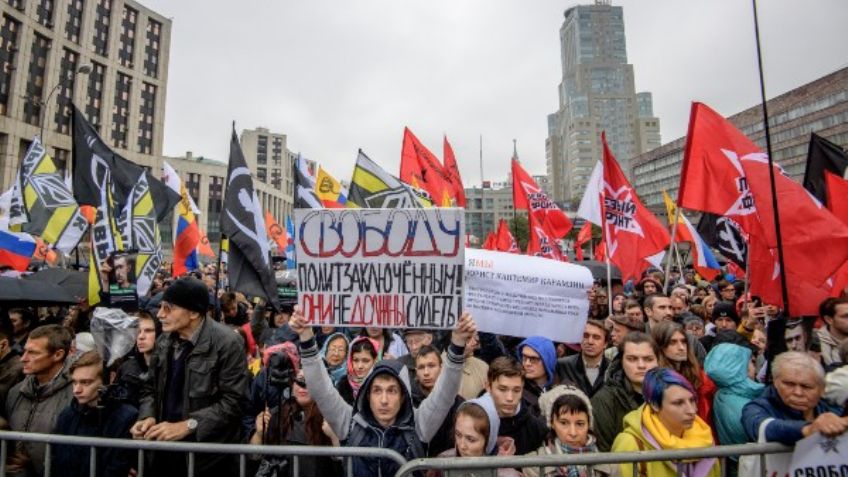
<point>105,240</point>
<point>49,209</point>
<point>373,187</point>
<point>140,233</point>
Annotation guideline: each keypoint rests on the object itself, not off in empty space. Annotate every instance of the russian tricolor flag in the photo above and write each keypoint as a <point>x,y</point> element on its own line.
<point>16,249</point>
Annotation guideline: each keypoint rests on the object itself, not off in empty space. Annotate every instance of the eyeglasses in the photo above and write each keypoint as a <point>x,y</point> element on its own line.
<point>336,349</point>
<point>530,359</point>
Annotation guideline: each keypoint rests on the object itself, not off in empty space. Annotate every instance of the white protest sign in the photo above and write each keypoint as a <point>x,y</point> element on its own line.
<point>520,295</point>
<point>818,455</point>
<point>387,268</point>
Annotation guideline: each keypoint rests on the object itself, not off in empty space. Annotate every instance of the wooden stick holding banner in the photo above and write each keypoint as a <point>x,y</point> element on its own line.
<point>671,246</point>
<point>385,268</point>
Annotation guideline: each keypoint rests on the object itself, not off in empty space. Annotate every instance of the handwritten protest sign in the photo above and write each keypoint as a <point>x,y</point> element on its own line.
<point>519,295</point>
<point>388,268</point>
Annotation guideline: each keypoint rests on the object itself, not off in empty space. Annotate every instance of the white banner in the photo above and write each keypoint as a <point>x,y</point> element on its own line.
<point>520,295</point>
<point>388,268</point>
<point>819,455</point>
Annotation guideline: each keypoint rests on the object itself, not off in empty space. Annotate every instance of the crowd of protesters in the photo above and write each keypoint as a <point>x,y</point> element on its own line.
<point>692,364</point>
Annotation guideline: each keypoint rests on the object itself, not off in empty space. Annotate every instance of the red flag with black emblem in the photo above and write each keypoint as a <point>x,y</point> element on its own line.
<point>726,173</point>
<point>526,194</point>
<point>634,235</point>
<point>452,173</point>
<point>506,242</point>
<point>542,243</point>
<point>583,236</point>
<point>421,169</point>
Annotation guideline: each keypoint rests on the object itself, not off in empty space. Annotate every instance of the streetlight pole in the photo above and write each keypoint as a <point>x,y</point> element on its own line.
<point>83,69</point>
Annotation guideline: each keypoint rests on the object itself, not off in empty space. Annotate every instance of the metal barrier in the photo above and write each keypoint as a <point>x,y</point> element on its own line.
<point>468,464</point>
<point>191,448</point>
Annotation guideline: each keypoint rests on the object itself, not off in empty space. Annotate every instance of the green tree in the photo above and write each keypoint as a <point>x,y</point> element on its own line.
<point>520,230</point>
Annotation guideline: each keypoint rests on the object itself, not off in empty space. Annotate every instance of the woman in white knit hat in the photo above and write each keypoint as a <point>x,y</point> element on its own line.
<point>568,413</point>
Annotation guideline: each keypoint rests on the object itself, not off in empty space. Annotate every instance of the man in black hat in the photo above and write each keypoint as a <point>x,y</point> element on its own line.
<point>197,381</point>
<point>725,319</point>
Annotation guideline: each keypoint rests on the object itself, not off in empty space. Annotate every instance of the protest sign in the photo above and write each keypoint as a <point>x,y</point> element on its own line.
<point>388,268</point>
<point>123,288</point>
<point>819,455</point>
<point>519,295</point>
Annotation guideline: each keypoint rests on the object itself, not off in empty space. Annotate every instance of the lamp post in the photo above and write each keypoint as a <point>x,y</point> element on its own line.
<point>83,69</point>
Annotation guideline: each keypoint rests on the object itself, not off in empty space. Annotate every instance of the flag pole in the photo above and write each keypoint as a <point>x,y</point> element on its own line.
<point>671,247</point>
<point>783,287</point>
<point>514,211</point>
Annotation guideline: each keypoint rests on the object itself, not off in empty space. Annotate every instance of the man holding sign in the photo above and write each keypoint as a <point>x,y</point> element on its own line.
<point>383,415</point>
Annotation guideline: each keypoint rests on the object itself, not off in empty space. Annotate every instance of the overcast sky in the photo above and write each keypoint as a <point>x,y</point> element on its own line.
<point>337,76</point>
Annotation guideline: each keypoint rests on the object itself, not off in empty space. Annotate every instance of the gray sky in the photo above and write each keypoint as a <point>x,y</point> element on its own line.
<point>337,76</point>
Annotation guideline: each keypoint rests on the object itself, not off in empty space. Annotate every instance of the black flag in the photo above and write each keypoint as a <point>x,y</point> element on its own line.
<point>724,235</point>
<point>93,158</point>
<point>249,262</point>
<point>304,187</point>
<point>823,155</point>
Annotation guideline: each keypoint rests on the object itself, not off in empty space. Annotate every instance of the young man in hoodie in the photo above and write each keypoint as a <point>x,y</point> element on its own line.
<point>383,414</point>
<point>537,355</point>
<point>506,382</point>
<point>622,390</point>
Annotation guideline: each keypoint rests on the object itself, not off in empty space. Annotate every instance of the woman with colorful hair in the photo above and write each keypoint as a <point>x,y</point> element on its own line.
<point>363,355</point>
<point>668,420</point>
<point>676,353</point>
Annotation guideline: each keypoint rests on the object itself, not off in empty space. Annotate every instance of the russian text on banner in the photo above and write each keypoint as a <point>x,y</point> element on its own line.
<point>388,268</point>
<point>521,295</point>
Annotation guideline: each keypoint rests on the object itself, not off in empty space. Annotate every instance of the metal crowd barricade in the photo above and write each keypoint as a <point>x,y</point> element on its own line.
<point>191,448</point>
<point>467,465</point>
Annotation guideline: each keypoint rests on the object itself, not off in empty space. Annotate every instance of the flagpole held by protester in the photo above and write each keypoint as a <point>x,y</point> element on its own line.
<point>783,271</point>
<point>670,245</point>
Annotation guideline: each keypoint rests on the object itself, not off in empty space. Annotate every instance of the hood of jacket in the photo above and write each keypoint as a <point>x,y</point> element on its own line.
<point>486,403</point>
<point>547,352</point>
<point>395,369</point>
<point>727,366</point>
<point>620,386</point>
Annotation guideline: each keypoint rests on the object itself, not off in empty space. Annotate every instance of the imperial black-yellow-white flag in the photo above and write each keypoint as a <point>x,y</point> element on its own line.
<point>48,206</point>
<point>139,232</point>
<point>249,268</point>
<point>105,240</point>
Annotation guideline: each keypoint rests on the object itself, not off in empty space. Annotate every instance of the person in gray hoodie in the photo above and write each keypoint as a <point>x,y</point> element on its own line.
<point>383,415</point>
<point>34,404</point>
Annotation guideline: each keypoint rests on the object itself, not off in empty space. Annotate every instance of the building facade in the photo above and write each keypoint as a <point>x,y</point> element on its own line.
<point>819,107</point>
<point>271,164</point>
<point>597,94</point>
<point>485,208</point>
<point>110,57</point>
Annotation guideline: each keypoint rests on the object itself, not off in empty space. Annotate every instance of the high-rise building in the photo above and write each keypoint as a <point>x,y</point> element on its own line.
<point>597,93</point>
<point>268,156</point>
<point>820,107</point>
<point>110,57</point>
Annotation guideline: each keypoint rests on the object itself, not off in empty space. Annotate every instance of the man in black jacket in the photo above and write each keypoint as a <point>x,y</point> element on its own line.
<point>196,383</point>
<point>586,370</point>
<point>506,386</point>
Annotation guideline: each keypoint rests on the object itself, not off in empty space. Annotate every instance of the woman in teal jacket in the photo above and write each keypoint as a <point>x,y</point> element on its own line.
<point>731,367</point>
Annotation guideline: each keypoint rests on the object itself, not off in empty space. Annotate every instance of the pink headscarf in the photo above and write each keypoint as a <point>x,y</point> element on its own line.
<point>289,348</point>
<point>354,381</point>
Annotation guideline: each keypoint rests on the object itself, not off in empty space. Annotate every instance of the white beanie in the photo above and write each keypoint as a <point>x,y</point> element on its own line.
<point>547,399</point>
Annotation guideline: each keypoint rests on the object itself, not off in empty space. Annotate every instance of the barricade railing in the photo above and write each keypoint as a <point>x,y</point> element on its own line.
<point>469,464</point>
<point>190,448</point>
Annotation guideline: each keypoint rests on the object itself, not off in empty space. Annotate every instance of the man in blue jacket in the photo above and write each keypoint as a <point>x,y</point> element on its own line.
<point>792,408</point>
<point>537,355</point>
